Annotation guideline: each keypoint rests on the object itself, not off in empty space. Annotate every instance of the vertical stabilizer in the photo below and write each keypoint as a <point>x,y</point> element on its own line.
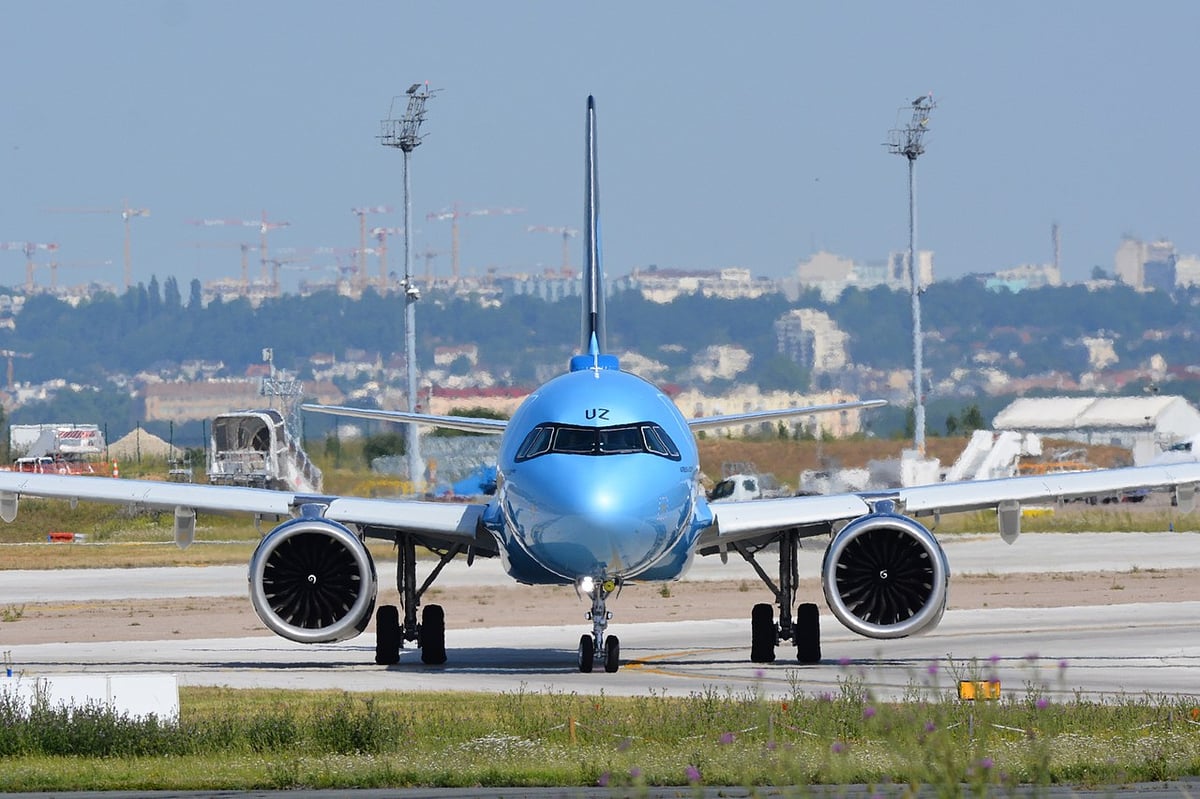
<point>593,274</point>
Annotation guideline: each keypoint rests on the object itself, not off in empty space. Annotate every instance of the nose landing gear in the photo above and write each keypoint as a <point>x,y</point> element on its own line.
<point>598,645</point>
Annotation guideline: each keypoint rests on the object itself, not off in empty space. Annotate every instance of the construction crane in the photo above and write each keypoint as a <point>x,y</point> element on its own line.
<point>362,213</point>
<point>567,233</point>
<point>428,255</point>
<point>454,214</point>
<point>10,354</point>
<point>264,226</point>
<point>276,263</point>
<point>380,235</point>
<point>54,266</point>
<point>29,248</point>
<point>127,214</point>
<point>299,254</point>
<point>244,286</point>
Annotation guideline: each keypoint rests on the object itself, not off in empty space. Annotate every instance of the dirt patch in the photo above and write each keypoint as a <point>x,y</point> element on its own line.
<point>157,619</point>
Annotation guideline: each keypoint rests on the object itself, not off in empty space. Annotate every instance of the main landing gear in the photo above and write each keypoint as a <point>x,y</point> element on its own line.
<point>598,646</point>
<point>430,634</point>
<point>804,630</point>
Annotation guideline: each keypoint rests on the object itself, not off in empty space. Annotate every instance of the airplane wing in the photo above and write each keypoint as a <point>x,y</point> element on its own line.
<point>444,522</point>
<point>471,424</point>
<point>754,519</point>
<point>706,422</point>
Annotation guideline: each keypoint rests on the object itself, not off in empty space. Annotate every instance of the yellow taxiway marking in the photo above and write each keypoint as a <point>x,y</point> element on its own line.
<point>645,664</point>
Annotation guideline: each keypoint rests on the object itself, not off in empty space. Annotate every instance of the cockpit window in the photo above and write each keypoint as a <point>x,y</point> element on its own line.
<point>618,440</point>
<point>536,443</point>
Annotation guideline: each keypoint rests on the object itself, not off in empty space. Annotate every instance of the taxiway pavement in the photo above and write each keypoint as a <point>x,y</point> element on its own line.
<point>1101,651</point>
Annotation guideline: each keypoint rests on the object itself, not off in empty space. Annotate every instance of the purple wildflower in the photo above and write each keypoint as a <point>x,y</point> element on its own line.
<point>634,773</point>
<point>868,712</point>
<point>837,748</point>
<point>1062,665</point>
<point>933,669</point>
<point>603,781</point>
<point>693,774</point>
<point>930,726</point>
<point>844,662</point>
<point>986,763</point>
<point>759,674</point>
<point>726,738</point>
<point>994,659</point>
<point>1043,703</point>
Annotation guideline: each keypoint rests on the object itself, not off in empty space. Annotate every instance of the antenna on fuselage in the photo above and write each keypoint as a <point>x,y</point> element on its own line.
<point>593,276</point>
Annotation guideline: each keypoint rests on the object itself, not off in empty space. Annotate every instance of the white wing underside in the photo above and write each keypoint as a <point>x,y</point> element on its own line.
<point>448,521</point>
<point>736,521</point>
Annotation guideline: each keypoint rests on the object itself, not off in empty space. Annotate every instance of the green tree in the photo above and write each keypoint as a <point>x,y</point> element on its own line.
<point>383,444</point>
<point>781,373</point>
<point>475,413</point>
<point>972,419</point>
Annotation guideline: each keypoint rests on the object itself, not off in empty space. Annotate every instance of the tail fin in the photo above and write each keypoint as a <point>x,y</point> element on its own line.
<point>593,275</point>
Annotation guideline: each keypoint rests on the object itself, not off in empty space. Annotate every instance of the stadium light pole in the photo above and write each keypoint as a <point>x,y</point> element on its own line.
<point>907,141</point>
<point>405,134</point>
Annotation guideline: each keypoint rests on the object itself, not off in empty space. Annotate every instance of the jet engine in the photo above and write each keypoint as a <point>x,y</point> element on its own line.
<point>885,576</point>
<point>313,581</point>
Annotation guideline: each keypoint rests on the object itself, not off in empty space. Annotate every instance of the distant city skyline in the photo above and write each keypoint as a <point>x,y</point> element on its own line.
<point>730,136</point>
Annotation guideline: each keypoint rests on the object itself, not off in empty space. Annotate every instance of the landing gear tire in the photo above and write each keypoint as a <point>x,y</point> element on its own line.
<point>808,633</point>
<point>387,635</point>
<point>587,654</point>
<point>433,635</point>
<point>762,633</point>
<point>612,654</point>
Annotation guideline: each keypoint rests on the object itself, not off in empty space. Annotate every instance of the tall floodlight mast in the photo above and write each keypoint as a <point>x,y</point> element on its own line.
<point>405,134</point>
<point>906,141</point>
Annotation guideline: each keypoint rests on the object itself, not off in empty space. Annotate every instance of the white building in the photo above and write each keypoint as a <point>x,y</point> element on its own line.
<point>1144,425</point>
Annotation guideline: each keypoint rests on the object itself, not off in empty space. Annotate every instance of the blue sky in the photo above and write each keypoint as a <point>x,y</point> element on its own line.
<point>730,134</point>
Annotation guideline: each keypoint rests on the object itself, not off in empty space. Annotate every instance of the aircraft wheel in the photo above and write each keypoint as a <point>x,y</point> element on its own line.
<point>433,635</point>
<point>762,634</point>
<point>587,654</point>
<point>612,654</point>
<point>808,633</point>
<point>387,635</point>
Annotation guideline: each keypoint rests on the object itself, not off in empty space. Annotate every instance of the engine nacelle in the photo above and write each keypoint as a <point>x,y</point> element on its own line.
<point>313,581</point>
<point>886,576</point>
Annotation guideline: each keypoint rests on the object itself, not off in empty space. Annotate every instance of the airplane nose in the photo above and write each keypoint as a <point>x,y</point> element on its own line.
<point>615,521</point>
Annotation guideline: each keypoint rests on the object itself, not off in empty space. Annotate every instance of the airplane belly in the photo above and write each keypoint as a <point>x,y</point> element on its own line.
<point>616,518</point>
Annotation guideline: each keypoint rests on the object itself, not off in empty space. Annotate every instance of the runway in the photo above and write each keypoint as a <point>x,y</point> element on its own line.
<point>1106,651</point>
<point>1099,651</point>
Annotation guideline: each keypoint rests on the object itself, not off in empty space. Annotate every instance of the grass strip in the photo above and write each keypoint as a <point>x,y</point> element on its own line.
<point>229,739</point>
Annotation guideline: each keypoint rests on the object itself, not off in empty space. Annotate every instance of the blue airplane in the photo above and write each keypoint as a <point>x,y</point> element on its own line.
<point>598,487</point>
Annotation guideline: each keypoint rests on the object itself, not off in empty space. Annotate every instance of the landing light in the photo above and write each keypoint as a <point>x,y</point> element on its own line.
<point>586,585</point>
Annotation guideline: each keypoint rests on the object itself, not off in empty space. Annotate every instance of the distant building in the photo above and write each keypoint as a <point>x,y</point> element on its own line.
<point>203,399</point>
<point>898,269</point>
<point>1187,270</point>
<point>743,398</point>
<point>825,267</point>
<point>664,285</point>
<point>1145,266</point>
<point>1143,425</point>
<point>1025,277</point>
<point>811,339</point>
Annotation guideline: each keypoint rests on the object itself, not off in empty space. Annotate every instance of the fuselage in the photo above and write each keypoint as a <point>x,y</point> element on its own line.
<point>598,477</point>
